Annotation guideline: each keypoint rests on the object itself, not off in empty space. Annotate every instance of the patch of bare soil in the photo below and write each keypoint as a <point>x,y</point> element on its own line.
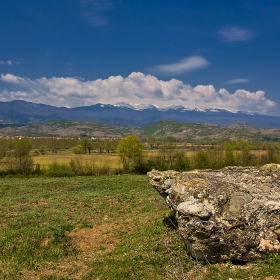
<point>100,237</point>
<point>45,242</point>
<point>91,242</point>
<point>74,269</point>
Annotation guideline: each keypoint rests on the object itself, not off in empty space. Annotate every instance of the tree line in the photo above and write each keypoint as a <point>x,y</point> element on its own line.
<point>170,155</point>
<point>136,155</point>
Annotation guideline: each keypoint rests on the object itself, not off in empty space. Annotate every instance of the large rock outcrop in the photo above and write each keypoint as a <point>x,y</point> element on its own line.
<point>228,214</point>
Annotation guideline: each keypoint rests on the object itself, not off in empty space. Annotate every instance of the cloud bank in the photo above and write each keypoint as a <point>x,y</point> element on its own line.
<point>137,88</point>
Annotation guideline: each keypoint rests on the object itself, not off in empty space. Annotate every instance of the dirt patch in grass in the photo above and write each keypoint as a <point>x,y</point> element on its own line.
<point>45,241</point>
<point>102,238</point>
<point>3,224</point>
<point>91,243</point>
<point>75,269</point>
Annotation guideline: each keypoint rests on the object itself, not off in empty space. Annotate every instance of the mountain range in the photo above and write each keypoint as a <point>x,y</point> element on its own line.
<point>19,112</point>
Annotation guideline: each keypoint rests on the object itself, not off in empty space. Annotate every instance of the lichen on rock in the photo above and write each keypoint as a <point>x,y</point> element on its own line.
<point>227,214</point>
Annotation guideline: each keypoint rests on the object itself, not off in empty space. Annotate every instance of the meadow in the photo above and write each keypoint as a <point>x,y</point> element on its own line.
<point>112,161</point>
<point>66,157</point>
<point>99,227</point>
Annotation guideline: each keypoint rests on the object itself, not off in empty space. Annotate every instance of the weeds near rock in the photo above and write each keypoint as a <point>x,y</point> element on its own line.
<point>181,266</point>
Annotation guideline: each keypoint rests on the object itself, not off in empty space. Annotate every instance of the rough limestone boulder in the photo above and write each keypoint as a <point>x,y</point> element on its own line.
<point>228,214</point>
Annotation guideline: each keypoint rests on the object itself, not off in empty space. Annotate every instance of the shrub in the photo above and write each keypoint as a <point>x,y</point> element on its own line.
<point>23,161</point>
<point>59,170</point>
<point>103,169</point>
<point>182,163</point>
<point>76,166</point>
<point>131,152</point>
<point>42,149</point>
<point>78,149</point>
<point>201,160</point>
<point>89,168</point>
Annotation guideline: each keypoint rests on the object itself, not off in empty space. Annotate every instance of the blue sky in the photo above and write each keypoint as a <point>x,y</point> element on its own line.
<point>198,54</point>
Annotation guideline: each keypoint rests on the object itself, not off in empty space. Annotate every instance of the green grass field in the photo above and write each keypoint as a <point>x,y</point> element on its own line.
<point>114,227</point>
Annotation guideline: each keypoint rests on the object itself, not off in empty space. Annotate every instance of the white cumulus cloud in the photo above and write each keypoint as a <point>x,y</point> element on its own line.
<point>137,88</point>
<point>235,34</point>
<point>184,65</point>
<point>8,62</point>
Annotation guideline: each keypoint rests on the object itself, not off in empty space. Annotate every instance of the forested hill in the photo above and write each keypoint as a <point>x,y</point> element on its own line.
<point>185,131</point>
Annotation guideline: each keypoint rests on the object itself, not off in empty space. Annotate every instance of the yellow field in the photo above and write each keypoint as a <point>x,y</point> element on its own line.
<point>104,158</point>
<point>98,159</point>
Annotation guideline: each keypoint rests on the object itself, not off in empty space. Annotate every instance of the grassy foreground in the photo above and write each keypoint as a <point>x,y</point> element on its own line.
<point>99,228</point>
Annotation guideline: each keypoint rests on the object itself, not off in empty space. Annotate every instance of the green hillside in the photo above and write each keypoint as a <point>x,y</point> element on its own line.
<point>190,132</point>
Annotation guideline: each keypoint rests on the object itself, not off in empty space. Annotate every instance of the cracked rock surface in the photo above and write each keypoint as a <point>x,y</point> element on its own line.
<point>231,214</point>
